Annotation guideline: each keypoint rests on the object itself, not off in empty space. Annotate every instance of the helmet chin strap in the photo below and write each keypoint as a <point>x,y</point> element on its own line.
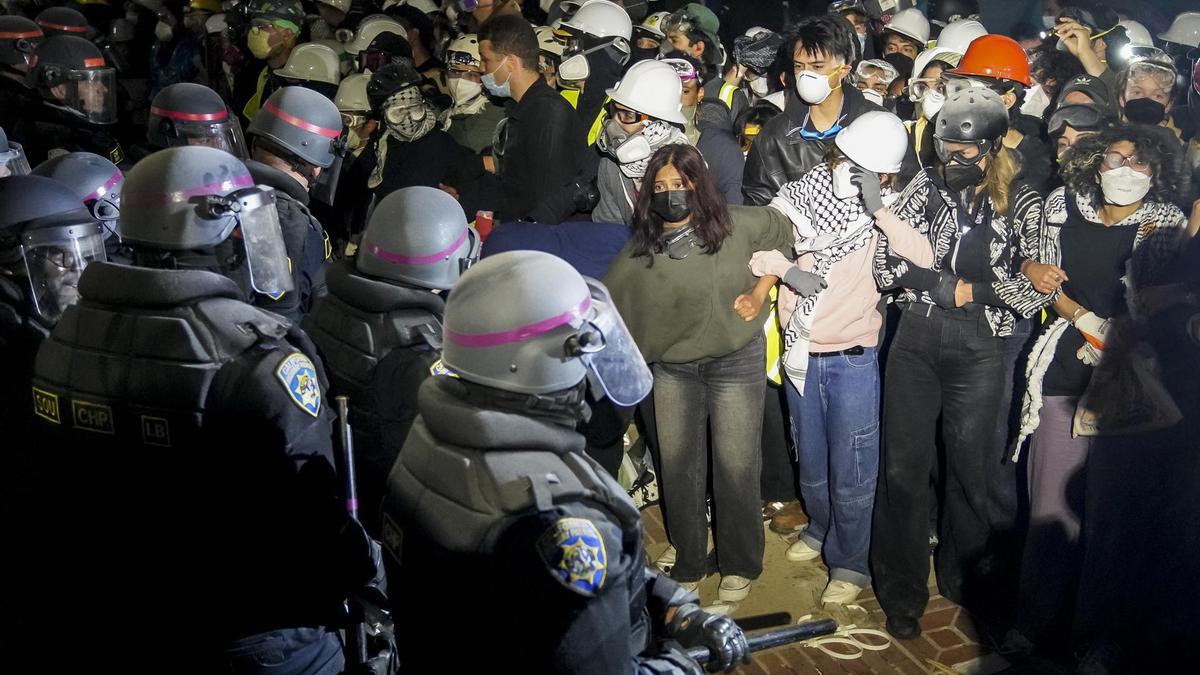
<point>568,407</point>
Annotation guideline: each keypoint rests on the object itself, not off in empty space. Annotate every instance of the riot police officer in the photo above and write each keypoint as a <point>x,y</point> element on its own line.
<point>295,137</point>
<point>78,101</point>
<point>380,327</point>
<point>187,113</point>
<point>98,183</point>
<point>192,438</point>
<point>47,238</point>
<point>19,38</point>
<point>492,502</point>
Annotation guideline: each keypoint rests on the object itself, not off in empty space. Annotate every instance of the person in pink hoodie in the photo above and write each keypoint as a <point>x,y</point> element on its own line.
<point>831,337</point>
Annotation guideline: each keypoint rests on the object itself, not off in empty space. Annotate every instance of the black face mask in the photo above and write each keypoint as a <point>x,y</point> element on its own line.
<point>959,177</point>
<point>672,206</point>
<point>642,54</point>
<point>1145,111</point>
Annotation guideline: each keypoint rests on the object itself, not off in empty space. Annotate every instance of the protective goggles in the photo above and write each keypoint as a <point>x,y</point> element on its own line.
<point>625,115</point>
<point>1077,116</point>
<point>683,69</point>
<point>352,120</point>
<point>820,135</point>
<point>965,157</point>
<point>918,88</point>
<point>462,59</point>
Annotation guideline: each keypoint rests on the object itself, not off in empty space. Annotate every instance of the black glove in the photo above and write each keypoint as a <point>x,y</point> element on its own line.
<point>586,196</point>
<point>694,627</point>
<point>806,284</point>
<point>868,185</point>
<point>943,294</point>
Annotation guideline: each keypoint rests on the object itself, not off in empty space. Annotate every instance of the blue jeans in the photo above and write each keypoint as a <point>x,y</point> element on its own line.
<point>836,429</point>
<point>288,651</point>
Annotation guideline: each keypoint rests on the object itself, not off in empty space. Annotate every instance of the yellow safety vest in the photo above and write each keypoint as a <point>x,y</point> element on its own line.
<point>774,338</point>
<point>726,94</point>
<point>255,101</point>
<point>572,96</point>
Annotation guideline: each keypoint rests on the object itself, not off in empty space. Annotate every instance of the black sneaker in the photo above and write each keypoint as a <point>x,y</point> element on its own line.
<point>903,627</point>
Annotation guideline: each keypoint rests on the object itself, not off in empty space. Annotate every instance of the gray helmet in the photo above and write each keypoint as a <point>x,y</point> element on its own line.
<point>418,235</point>
<point>303,122</point>
<point>163,198</point>
<point>186,113</point>
<point>192,197</point>
<point>95,179</point>
<point>976,115</point>
<point>527,322</point>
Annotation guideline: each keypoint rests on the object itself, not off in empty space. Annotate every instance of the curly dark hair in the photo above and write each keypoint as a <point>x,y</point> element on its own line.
<point>1081,172</point>
<point>710,215</point>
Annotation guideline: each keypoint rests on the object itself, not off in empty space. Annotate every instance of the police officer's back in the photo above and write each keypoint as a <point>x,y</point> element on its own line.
<point>492,503</point>
<point>380,327</point>
<point>295,136</point>
<point>192,435</point>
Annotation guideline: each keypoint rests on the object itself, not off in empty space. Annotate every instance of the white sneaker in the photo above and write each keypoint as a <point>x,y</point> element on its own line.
<point>800,551</point>
<point>733,588</point>
<point>840,592</point>
<point>666,561</point>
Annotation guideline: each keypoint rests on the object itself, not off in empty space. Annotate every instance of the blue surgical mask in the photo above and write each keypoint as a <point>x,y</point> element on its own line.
<point>494,88</point>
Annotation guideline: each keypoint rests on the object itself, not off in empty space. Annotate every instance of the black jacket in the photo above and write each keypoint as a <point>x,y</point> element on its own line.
<point>780,154</point>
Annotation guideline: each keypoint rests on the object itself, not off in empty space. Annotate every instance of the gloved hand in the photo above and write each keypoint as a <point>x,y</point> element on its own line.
<point>1089,354</point>
<point>694,627</point>
<point>806,284</point>
<point>1094,329</point>
<point>868,185</point>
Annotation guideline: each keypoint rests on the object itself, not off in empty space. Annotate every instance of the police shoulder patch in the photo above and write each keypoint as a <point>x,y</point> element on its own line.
<point>574,554</point>
<point>299,378</point>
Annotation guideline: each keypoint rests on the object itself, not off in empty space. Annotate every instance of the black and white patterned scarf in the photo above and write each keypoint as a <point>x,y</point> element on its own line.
<point>830,229</point>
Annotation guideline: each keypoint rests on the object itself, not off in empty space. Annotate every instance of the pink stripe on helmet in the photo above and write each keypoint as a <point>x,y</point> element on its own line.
<point>397,259</point>
<point>164,198</point>
<point>520,333</point>
<point>109,184</point>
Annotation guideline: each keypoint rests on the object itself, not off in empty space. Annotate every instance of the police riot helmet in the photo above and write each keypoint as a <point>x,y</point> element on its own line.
<point>96,180</point>
<point>63,21</point>
<point>191,198</point>
<point>526,322</point>
<point>186,113</point>
<point>418,235</point>
<point>19,38</point>
<point>57,239</point>
<point>71,73</point>
<point>302,122</point>
<point>12,157</point>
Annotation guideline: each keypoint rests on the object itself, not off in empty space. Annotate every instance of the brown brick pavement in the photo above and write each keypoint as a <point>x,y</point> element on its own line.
<point>948,644</point>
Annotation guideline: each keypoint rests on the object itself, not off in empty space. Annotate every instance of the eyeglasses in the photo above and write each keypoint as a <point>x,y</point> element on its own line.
<point>626,116</point>
<point>925,85</point>
<point>60,258</point>
<point>1115,160</point>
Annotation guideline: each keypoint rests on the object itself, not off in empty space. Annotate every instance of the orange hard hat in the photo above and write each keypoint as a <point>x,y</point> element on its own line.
<point>995,56</point>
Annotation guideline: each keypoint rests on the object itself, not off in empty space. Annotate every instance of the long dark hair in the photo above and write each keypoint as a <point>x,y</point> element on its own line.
<point>1081,172</point>
<point>710,215</point>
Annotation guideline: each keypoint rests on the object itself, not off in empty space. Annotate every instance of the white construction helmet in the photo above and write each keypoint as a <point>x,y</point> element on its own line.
<point>654,24</point>
<point>1137,33</point>
<point>651,87</point>
<point>464,51</point>
<point>370,28</point>
<point>910,23</point>
<point>875,140</point>
<point>352,94</point>
<point>312,62</point>
<point>1184,30</point>
<point>957,35</point>
<point>548,41</point>
<point>602,19</point>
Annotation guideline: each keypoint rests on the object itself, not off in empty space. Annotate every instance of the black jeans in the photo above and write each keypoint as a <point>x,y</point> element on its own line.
<point>942,365</point>
<point>726,395</point>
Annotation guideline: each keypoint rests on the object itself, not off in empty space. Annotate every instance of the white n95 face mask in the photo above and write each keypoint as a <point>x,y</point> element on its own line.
<point>1123,186</point>
<point>843,188</point>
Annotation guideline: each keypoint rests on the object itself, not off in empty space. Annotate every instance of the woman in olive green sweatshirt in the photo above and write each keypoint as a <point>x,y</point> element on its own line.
<point>684,287</point>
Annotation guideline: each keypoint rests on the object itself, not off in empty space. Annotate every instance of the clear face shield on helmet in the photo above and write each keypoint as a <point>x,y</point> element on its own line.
<point>13,161</point>
<point>54,260</point>
<point>266,259</point>
<point>92,93</point>
<point>223,135</point>
<point>614,362</point>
